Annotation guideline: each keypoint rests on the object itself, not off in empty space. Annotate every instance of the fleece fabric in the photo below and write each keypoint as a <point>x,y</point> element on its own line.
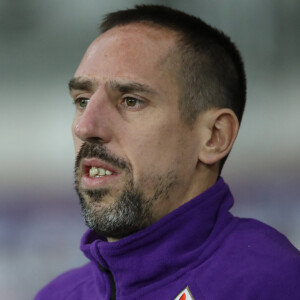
<point>199,251</point>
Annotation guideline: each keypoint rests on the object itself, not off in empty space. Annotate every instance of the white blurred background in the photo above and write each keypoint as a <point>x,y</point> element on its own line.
<point>41,44</point>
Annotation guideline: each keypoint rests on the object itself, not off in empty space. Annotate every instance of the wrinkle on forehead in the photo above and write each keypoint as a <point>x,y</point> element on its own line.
<point>135,51</point>
<point>136,36</point>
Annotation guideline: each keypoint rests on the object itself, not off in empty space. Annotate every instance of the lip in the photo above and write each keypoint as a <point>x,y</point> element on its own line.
<point>87,163</point>
<point>96,182</point>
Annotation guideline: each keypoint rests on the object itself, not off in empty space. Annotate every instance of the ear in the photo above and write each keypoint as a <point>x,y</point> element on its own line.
<point>222,128</point>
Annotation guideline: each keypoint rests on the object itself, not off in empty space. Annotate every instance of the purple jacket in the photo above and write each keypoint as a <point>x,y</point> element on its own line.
<point>198,251</point>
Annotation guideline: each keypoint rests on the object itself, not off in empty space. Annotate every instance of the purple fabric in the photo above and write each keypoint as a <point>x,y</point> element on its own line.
<point>199,245</point>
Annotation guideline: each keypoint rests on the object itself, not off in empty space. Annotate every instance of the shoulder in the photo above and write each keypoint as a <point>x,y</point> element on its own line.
<point>64,286</point>
<point>265,258</point>
<point>250,261</point>
<point>255,238</point>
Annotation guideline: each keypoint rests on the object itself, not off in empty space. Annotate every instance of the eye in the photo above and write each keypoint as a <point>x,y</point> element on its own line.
<point>81,102</point>
<point>132,102</point>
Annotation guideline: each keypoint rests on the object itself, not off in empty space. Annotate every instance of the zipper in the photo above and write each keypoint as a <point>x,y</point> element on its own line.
<point>111,282</point>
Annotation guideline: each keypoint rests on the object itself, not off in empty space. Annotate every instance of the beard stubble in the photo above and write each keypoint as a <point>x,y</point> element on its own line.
<point>131,210</point>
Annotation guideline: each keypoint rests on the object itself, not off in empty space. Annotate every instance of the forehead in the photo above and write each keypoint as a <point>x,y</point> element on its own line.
<point>135,51</point>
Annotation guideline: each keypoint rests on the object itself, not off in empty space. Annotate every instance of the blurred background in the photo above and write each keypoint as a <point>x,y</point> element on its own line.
<point>41,44</point>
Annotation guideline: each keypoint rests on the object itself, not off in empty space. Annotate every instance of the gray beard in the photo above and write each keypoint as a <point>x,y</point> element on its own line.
<point>131,211</point>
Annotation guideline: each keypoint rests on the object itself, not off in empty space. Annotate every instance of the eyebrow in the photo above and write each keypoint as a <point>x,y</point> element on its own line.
<point>130,87</point>
<point>89,85</point>
<point>78,83</point>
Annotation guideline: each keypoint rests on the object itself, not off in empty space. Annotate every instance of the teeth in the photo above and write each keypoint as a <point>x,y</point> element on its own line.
<point>96,172</point>
<point>101,172</point>
<point>93,171</point>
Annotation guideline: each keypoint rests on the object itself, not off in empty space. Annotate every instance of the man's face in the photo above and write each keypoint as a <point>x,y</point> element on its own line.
<point>136,159</point>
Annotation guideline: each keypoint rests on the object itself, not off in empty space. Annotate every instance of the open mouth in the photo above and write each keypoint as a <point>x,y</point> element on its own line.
<point>95,173</point>
<point>94,168</point>
<point>99,172</point>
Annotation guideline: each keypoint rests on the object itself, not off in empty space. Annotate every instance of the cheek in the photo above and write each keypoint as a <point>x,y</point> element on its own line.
<point>155,147</point>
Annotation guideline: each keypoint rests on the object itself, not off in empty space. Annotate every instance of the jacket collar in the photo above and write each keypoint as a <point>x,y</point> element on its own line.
<point>167,247</point>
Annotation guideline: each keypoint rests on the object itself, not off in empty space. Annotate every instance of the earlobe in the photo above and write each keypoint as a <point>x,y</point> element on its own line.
<point>223,128</point>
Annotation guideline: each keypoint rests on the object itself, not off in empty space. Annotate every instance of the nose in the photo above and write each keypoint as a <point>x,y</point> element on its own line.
<point>93,124</point>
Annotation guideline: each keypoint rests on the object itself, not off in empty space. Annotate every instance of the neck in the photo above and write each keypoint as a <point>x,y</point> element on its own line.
<point>186,233</point>
<point>205,177</point>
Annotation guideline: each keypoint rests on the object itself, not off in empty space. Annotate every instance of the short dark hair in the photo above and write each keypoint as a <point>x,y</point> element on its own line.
<point>211,70</point>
